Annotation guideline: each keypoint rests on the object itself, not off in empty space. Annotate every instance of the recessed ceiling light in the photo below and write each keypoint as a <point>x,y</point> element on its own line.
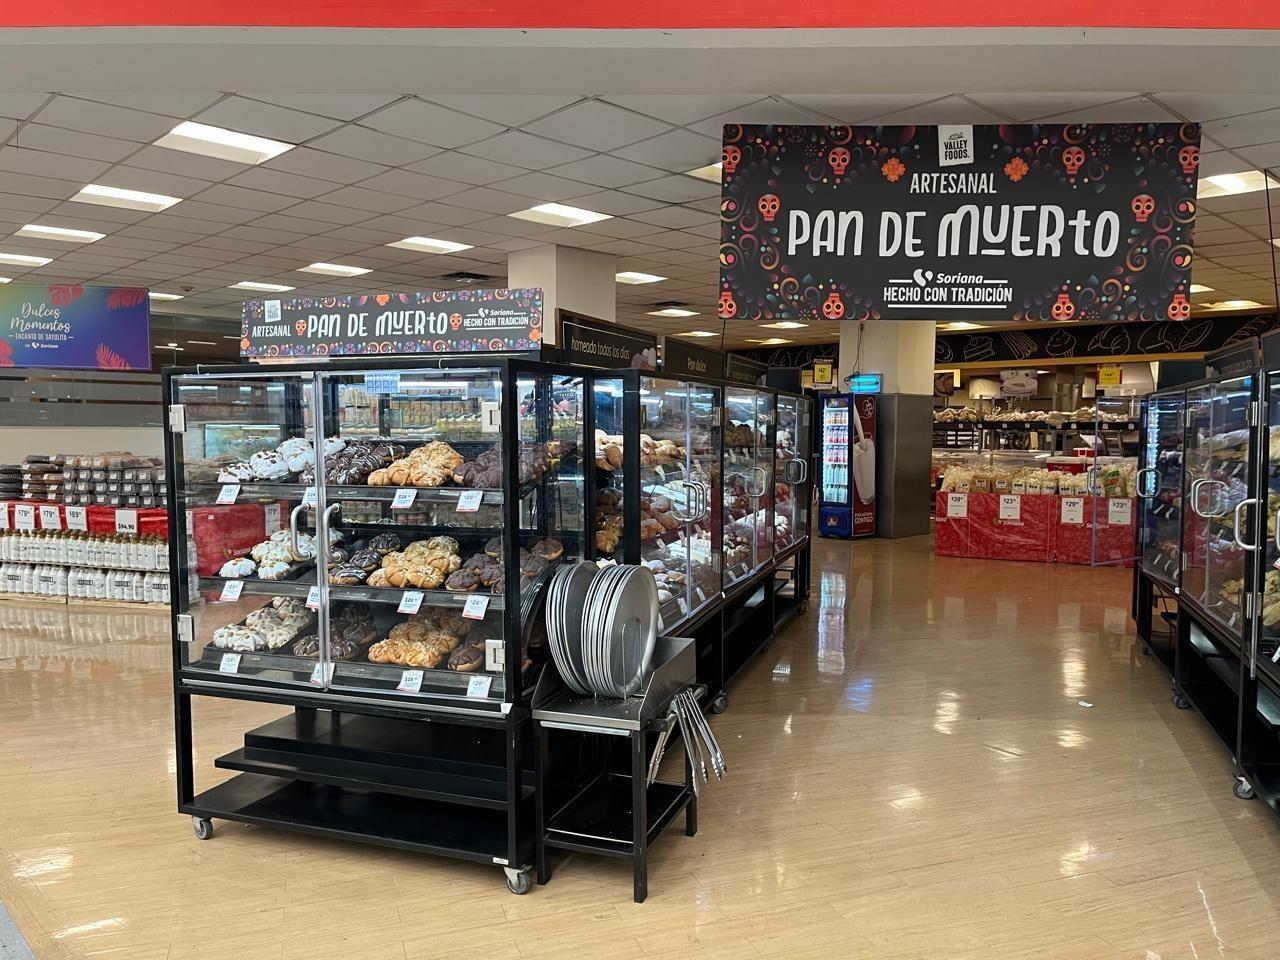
<point>202,343</point>
<point>959,325</point>
<point>1044,371</point>
<point>1228,184</point>
<point>560,215</point>
<point>633,277</point>
<point>227,336</point>
<point>22,260</point>
<point>264,287</point>
<point>156,295</point>
<point>1200,288</point>
<point>429,245</point>
<point>59,233</point>
<point>224,144</point>
<point>697,333</point>
<point>784,325</point>
<point>334,269</point>
<point>1239,304</point>
<point>171,344</point>
<point>710,172</point>
<point>6,279</point>
<point>105,196</point>
<point>673,312</point>
<point>771,342</point>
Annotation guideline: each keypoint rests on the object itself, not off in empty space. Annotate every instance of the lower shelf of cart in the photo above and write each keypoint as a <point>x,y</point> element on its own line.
<point>423,783</point>
<point>407,823</point>
<point>598,819</point>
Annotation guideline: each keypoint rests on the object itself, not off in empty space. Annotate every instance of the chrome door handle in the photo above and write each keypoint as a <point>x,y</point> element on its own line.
<point>295,550</point>
<point>1138,483</point>
<point>764,478</point>
<point>1277,536</point>
<point>1235,525</point>
<point>1194,494</point>
<point>688,485</point>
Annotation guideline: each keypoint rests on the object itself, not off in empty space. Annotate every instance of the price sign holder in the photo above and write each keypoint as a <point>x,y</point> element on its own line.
<point>126,521</point>
<point>313,598</point>
<point>228,493</point>
<point>404,498</point>
<point>1010,506</point>
<point>469,501</point>
<point>50,518</point>
<point>320,678</point>
<point>231,590</point>
<point>957,506</point>
<point>410,602</point>
<point>476,607</point>
<point>4,514</point>
<point>77,518</point>
<point>479,686</point>
<point>309,497</point>
<point>24,517</point>
<point>410,682</point>
<point>230,663</point>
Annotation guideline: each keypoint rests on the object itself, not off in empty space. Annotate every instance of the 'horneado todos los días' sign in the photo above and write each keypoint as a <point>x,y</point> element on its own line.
<point>1040,222</point>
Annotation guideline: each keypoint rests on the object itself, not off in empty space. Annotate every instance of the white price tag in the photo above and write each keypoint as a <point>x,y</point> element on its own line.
<point>24,517</point>
<point>309,497</point>
<point>1010,506</point>
<point>313,598</point>
<point>410,681</point>
<point>479,686</point>
<point>1119,511</point>
<point>1072,510</point>
<point>469,501</point>
<point>411,602</point>
<point>228,493</point>
<point>320,677</point>
<point>957,506</point>
<point>230,663</point>
<point>4,514</point>
<point>77,518</point>
<point>271,518</point>
<point>50,518</point>
<point>231,590</point>
<point>1019,486</point>
<point>476,606</point>
<point>404,498</point>
<point>126,521</point>
<point>700,594</point>
<point>964,486</point>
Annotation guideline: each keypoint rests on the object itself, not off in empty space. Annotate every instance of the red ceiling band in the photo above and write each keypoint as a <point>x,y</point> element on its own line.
<point>650,14</point>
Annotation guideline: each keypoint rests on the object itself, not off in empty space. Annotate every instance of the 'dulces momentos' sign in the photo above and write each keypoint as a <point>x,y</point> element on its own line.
<point>1040,222</point>
<point>431,321</point>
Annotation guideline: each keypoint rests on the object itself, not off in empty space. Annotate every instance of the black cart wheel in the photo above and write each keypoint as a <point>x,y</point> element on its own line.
<point>1243,789</point>
<point>1181,702</point>
<point>519,882</point>
<point>720,704</point>
<point>1146,650</point>
<point>203,826</point>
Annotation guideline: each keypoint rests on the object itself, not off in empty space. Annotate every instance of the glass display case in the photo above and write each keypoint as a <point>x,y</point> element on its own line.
<point>393,544</point>
<point>1216,481</point>
<point>791,464</point>
<point>655,496</point>
<point>748,482</point>
<point>1159,483</point>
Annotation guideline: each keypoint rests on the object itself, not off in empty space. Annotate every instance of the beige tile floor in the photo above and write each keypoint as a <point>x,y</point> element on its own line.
<point>912,777</point>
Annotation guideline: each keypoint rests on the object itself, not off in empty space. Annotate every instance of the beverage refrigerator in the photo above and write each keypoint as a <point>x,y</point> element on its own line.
<point>847,504</point>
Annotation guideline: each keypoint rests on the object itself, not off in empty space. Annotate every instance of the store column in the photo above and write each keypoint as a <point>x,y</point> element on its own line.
<point>571,279</point>
<point>902,352</point>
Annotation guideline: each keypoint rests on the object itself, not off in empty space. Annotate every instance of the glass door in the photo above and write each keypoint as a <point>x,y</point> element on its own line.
<point>835,451</point>
<point>1195,474</point>
<point>1226,487</point>
<point>1266,655</point>
<point>243,460</point>
<point>763,490</point>
<point>706,405</point>
<point>1113,480</point>
<point>742,484</point>
<point>789,468</point>
<point>1159,485</point>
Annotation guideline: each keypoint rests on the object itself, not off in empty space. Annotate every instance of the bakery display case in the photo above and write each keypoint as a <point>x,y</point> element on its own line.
<point>748,482</point>
<point>792,457</point>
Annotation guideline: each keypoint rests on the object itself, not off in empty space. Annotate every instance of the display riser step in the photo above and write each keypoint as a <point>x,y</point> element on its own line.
<point>598,819</point>
<point>405,823</point>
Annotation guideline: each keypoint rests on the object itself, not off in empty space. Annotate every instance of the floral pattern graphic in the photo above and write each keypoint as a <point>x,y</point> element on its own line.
<point>1016,169</point>
<point>892,169</point>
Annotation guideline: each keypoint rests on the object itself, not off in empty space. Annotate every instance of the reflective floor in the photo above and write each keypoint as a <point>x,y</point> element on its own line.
<point>913,775</point>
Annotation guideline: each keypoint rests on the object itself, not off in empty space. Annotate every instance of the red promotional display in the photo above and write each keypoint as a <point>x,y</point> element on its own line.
<point>221,533</point>
<point>1045,528</point>
<point>951,529</point>
<point>1009,526</point>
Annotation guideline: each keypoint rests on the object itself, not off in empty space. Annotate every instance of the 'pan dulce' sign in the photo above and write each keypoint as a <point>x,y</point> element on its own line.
<point>430,321</point>
<point>1041,222</point>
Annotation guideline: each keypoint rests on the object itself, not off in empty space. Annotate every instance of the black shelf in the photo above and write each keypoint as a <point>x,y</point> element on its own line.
<point>384,494</point>
<point>405,823</point>
<point>302,586</point>
<point>598,819</point>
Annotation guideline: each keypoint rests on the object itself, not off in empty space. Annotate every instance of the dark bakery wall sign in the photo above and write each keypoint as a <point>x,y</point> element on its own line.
<point>1098,340</point>
<point>681,358</point>
<point>996,223</point>
<point>388,324</point>
<point>744,370</point>
<point>601,343</point>
<point>797,355</point>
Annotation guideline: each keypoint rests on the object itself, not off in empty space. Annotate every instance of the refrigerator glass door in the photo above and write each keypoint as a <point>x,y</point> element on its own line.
<point>835,451</point>
<point>1160,487</point>
<point>1227,485</point>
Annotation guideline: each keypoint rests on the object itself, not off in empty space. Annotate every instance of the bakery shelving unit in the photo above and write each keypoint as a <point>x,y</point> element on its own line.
<point>385,744</point>
<point>1158,574</point>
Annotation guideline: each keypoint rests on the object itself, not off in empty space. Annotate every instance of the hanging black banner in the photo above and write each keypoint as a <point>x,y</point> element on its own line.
<point>601,343</point>
<point>990,223</point>
<point>680,358</point>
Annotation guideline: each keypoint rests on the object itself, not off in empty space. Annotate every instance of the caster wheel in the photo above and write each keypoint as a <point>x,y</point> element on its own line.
<point>1242,789</point>
<point>519,882</point>
<point>203,826</point>
<point>720,704</point>
<point>1146,651</point>
<point>1181,702</point>
<point>803,607</point>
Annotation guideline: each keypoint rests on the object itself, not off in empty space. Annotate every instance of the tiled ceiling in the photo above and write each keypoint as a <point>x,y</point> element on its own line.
<point>370,169</point>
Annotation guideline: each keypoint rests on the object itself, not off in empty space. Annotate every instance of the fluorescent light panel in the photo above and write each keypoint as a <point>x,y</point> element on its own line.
<point>262,287</point>
<point>201,343</point>
<point>635,278</point>
<point>40,231</point>
<point>771,342</point>
<point>1200,288</point>
<point>697,333</point>
<point>105,196</point>
<point>784,325</point>
<point>430,245</point>
<point>221,143</point>
<point>23,260</point>
<point>334,269</point>
<point>1230,184</point>
<point>710,172</point>
<point>673,312</point>
<point>560,215</point>
<point>6,279</point>
<point>155,295</point>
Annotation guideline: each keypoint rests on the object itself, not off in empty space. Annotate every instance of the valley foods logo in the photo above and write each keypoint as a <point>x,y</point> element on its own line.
<point>955,145</point>
<point>1045,222</point>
